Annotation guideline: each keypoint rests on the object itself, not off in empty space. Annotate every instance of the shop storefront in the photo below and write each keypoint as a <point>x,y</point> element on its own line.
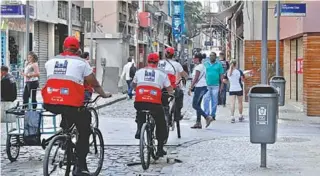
<point>293,68</point>
<point>13,37</point>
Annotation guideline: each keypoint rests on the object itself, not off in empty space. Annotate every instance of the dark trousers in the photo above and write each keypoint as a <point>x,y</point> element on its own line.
<point>223,95</point>
<point>81,117</point>
<point>31,89</point>
<point>178,93</point>
<point>199,92</point>
<point>129,88</point>
<point>157,113</point>
<point>178,103</point>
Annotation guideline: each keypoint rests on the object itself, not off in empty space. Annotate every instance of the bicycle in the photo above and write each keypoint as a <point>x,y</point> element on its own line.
<point>94,114</point>
<point>65,140</point>
<point>148,129</point>
<point>171,121</point>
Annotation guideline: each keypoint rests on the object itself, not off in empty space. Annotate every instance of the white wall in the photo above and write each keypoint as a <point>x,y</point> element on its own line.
<point>46,11</point>
<point>115,53</point>
<point>252,15</point>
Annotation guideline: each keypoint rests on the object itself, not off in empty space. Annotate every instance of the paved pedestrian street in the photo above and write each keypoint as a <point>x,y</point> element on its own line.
<point>221,149</point>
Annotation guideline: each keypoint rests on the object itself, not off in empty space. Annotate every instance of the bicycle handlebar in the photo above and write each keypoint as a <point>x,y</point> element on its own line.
<point>93,101</point>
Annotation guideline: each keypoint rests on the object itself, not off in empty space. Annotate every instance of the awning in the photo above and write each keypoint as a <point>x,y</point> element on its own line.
<point>227,12</point>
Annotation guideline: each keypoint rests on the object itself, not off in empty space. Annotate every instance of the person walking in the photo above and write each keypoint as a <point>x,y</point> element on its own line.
<point>223,95</point>
<point>88,89</point>
<point>31,74</point>
<point>235,78</point>
<point>128,72</point>
<point>214,74</point>
<point>200,88</point>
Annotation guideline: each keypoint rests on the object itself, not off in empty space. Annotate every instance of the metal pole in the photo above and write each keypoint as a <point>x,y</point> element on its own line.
<point>278,40</point>
<point>264,43</point>
<point>182,48</point>
<point>263,155</point>
<point>27,34</point>
<point>91,34</point>
<point>70,18</point>
<point>163,47</point>
<point>27,28</point>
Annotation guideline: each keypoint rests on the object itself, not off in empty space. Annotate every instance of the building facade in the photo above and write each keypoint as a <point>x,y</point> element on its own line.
<point>301,39</point>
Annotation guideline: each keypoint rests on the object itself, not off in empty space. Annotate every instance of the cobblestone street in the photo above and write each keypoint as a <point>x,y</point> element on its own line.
<point>222,149</point>
<point>116,159</point>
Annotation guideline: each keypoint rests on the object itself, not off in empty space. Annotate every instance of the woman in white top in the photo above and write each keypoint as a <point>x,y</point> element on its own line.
<point>31,74</point>
<point>199,85</point>
<point>235,78</point>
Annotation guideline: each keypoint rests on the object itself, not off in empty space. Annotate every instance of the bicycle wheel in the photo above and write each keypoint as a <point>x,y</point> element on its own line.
<point>178,129</point>
<point>94,117</point>
<point>144,144</point>
<point>153,142</point>
<point>168,128</point>
<point>96,149</point>
<point>172,118</point>
<point>13,147</point>
<point>64,164</point>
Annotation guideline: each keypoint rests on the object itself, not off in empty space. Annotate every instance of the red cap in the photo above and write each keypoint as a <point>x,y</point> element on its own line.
<point>153,57</point>
<point>71,42</point>
<point>170,50</point>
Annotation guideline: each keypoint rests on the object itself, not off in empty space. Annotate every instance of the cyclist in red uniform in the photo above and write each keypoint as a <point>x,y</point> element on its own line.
<point>63,94</point>
<point>149,82</point>
<point>175,72</point>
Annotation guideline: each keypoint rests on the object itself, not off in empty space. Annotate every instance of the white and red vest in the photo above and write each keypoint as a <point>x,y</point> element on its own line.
<point>150,82</point>
<point>172,68</point>
<point>65,78</point>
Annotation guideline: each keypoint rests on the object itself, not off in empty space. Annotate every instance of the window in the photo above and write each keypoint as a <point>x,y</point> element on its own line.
<point>63,10</point>
<point>76,13</point>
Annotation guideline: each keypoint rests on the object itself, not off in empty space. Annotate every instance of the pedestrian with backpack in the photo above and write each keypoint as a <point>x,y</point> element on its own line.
<point>128,72</point>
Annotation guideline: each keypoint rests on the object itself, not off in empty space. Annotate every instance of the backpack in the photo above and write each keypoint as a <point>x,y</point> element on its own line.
<point>132,71</point>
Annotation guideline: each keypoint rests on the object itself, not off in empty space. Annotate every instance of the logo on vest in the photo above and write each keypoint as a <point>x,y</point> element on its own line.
<point>60,67</point>
<point>153,92</point>
<point>64,91</point>
<point>150,75</point>
<point>50,90</point>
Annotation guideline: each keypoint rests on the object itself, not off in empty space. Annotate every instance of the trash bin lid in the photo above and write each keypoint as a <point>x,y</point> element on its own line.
<point>277,79</point>
<point>263,90</point>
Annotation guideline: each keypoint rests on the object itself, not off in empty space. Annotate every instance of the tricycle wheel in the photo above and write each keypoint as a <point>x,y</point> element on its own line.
<point>13,147</point>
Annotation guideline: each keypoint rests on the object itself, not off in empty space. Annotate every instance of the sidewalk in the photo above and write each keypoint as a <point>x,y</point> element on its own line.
<point>224,149</point>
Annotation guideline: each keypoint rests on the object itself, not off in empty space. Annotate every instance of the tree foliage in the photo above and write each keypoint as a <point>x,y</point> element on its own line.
<point>193,16</point>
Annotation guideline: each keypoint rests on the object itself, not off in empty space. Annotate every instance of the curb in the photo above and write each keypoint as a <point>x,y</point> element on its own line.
<point>111,102</point>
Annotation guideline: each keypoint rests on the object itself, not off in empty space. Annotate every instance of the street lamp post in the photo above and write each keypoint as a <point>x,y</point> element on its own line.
<point>91,33</point>
<point>278,40</point>
<point>70,18</point>
<point>264,66</point>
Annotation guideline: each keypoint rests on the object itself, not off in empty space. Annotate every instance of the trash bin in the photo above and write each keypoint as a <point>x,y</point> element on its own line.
<point>263,114</point>
<point>279,83</point>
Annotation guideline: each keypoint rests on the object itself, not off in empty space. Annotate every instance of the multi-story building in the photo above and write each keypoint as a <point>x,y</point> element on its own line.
<point>299,43</point>
<point>300,37</point>
<point>48,29</point>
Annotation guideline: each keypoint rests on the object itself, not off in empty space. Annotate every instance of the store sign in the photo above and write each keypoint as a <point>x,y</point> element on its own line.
<point>299,65</point>
<point>15,11</point>
<point>3,48</point>
<point>292,10</point>
<point>178,19</point>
